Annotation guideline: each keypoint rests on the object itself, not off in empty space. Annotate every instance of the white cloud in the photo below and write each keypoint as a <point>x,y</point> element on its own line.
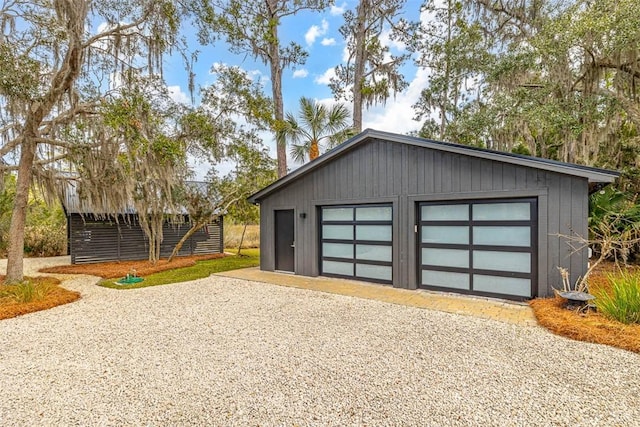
<point>385,40</point>
<point>102,27</point>
<point>328,41</point>
<point>337,10</point>
<point>345,53</point>
<point>396,115</point>
<point>300,73</point>
<point>176,93</point>
<point>316,31</point>
<point>325,78</point>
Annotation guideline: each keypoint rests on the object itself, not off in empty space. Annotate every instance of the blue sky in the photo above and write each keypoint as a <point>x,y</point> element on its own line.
<point>318,34</point>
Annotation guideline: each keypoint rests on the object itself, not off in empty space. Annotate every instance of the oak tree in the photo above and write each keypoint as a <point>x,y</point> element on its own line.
<point>58,60</point>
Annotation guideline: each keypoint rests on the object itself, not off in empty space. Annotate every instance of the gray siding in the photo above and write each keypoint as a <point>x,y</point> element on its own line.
<point>92,240</point>
<point>381,171</point>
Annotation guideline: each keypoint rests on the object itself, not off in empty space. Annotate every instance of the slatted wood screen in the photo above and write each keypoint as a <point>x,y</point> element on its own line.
<point>92,240</point>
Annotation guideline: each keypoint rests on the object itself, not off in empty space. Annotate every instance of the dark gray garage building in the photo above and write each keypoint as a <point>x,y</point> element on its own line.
<point>416,213</point>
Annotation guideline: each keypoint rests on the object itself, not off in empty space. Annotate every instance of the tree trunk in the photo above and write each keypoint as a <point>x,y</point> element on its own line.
<point>62,81</point>
<point>15,254</point>
<point>445,97</point>
<point>276,88</point>
<point>359,64</point>
<point>314,151</point>
<point>244,230</point>
<point>195,227</point>
<point>152,227</point>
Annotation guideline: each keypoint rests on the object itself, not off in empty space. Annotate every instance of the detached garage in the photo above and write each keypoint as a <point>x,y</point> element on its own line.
<point>415,213</point>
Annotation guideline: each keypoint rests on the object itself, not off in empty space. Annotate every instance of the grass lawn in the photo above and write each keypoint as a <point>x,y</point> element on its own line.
<point>41,293</point>
<point>202,268</point>
<point>118,269</point>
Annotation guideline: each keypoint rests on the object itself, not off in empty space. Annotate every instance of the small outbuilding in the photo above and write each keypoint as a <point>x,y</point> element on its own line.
<point>416,213</point>
<point>118,236</point>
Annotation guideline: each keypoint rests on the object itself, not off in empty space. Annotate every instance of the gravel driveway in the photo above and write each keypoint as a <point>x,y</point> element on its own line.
<point>221,351</point>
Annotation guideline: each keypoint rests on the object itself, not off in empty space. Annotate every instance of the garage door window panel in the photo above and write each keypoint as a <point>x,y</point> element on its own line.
<point>456,212</point>
<point>335,267</point>
<point>445,257</point>
<point>374,252</point>
<point>446,279</point>
<point>360,235</point>
<point>518,262</point>
<point>373,233</point>
<point>337,250</point>
<point>376,213</point>
<point>337,214</point>
<point>454,235</point>
<point>501,211</point>
<point>337,232</point>
<point>502,285</point>
<point>379,272</point>
<point>502,236</point>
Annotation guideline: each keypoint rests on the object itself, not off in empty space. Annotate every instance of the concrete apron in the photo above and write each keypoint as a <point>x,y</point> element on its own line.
<point>486,308</point>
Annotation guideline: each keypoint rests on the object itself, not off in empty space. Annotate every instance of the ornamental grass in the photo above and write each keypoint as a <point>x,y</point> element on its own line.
<point>591,326</point>
<point>33,294</point>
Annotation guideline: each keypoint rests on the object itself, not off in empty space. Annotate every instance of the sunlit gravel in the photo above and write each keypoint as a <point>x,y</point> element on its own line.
<point>222,351</point>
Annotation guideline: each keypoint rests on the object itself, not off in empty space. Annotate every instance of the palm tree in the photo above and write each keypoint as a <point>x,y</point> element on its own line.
<point>315,124</point>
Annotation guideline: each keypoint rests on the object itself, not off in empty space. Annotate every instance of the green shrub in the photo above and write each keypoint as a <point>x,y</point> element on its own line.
<point>46,239</point>
<point>622,301</point>
<point>45,229</point>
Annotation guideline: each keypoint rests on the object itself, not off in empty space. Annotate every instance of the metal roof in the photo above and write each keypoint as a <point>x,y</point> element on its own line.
<point>72,203</point>
<point>594,175</point>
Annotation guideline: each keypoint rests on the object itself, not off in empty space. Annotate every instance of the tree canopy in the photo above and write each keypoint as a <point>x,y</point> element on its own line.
<point>251,28</point>
<point>83,97</point>
<point>554,79</point>
<point>371,74</point>
<point>62,66</point>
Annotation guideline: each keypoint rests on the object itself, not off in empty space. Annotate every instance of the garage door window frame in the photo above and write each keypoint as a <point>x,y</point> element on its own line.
<point>353,222</point>
<point>470,246</point>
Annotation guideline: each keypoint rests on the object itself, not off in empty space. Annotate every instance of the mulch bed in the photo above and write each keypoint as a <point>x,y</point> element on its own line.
<point>112,270</point>
<point>56,296</point>
<point>590,326</point>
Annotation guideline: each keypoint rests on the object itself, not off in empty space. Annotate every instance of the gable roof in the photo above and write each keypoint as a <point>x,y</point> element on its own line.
<point>594,175</point>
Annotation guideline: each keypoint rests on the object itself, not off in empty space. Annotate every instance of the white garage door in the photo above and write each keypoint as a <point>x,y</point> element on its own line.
<point>479,247</point>
<point>356,242</point>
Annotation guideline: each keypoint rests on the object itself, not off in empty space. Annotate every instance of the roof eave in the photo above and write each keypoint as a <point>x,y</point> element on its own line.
<point>593,175</point>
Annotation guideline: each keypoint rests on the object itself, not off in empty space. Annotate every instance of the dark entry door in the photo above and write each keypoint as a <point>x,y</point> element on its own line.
<point>285,240</point>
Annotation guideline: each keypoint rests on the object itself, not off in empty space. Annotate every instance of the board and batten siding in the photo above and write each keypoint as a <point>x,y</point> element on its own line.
<point>97,240</point>
<point>380,171</point>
